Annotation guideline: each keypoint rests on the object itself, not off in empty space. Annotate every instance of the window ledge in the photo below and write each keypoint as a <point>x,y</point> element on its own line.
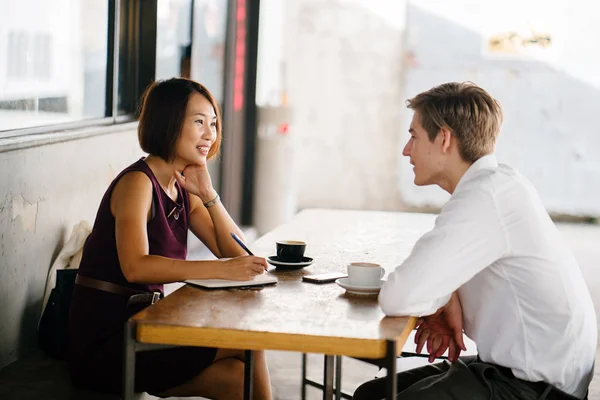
<point>43,139</point>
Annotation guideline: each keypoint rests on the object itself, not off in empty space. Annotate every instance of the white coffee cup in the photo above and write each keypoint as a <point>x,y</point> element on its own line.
<point>365,274</point>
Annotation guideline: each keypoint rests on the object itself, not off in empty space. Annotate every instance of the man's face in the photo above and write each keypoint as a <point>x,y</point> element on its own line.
<point>424,155</point>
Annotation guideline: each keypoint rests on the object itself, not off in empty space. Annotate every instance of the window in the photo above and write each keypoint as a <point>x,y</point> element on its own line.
<point>208,45</point>
<point>173,38</point>
<point>54,65</point>
<point>65,64</point>
<point>190,41</point>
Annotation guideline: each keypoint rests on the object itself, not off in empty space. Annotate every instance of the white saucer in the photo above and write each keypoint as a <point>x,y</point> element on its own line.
<point>363,290</point>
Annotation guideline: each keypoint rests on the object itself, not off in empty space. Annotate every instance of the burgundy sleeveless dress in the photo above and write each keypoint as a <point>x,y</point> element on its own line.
<point>97,318</point>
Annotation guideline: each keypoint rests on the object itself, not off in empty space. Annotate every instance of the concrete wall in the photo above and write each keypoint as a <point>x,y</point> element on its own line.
<point>347,67</point>
<point>344,84</point>
<point>44,192</point>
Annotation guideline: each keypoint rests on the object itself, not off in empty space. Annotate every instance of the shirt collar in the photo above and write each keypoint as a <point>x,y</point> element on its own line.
<point>485,162</point>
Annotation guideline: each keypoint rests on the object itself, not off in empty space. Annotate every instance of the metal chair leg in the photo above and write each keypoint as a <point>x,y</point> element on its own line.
<point>303,388</point>
<point>335,376</point>
<point>328,378</point>
<point>338,377</point>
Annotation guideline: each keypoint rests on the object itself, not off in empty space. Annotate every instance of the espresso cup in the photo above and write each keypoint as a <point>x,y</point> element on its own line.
<point>365,274</point>
<point>290,250</point>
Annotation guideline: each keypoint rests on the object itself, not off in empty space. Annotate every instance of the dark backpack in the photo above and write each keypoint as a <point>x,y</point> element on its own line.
<point>52,332</point>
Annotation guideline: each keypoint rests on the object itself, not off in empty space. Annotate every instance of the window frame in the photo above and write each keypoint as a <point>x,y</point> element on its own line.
<point>131,42</point>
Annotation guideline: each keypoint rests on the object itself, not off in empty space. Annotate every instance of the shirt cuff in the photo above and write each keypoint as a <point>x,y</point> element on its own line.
<point>398,308</point>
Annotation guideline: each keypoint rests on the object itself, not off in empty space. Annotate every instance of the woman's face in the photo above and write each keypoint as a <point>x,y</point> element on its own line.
<point>198,133</point>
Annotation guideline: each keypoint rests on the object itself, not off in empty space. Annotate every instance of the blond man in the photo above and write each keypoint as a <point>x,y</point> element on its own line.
<point>494,264</point>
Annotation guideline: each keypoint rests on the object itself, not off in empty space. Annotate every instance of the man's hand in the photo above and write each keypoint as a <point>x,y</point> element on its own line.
<point>442,331</point>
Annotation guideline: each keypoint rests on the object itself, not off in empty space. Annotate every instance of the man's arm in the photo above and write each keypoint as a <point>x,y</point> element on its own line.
<point>468,236</point>
<point>442,331</point>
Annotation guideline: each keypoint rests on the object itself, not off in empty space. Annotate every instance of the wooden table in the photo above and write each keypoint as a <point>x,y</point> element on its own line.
<point>293,315</point>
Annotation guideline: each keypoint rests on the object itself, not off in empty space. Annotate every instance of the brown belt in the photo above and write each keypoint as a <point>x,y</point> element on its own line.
<point>135,296</point>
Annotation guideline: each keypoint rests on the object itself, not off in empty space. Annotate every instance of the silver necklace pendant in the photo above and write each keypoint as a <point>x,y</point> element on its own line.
<point>175,212</point>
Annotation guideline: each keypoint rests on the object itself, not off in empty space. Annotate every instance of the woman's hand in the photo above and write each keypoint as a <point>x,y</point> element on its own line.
<point>243,268</point>
<point>196,180</point>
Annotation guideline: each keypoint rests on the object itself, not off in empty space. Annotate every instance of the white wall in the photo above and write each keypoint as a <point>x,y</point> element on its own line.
<point>44,192</point>
<point>344,78</point>
<point>350,65</point>
<point>550,95</point>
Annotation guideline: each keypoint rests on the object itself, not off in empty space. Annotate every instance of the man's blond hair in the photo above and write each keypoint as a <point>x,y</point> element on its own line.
<point>468,111</point>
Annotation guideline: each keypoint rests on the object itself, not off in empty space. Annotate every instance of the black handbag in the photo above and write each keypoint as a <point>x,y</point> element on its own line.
<point>52,332</point>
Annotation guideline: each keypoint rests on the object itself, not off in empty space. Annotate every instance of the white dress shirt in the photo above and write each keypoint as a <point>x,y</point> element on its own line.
<point>524,300</point>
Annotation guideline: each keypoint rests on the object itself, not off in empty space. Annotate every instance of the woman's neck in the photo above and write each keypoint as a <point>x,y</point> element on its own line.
<point>163,171</point>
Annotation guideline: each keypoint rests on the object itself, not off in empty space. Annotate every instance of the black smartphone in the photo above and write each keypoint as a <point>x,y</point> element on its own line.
<point>324,278</point>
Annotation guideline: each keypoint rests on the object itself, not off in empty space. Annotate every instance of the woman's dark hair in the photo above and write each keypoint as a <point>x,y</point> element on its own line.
<point>163,107</point>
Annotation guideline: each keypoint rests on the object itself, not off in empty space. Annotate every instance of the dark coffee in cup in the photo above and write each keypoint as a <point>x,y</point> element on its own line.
<point>290,250</point>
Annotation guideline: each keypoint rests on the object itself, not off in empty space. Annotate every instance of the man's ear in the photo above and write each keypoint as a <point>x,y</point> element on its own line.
<point>447,138</point>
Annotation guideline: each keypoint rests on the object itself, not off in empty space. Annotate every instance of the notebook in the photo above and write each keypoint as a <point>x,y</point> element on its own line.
<point>263,279</point>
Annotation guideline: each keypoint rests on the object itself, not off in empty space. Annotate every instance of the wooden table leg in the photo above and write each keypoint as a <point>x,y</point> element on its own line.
<point>328,378</point>
<point>248,374</point>
<point>390,365</point>
<point>129,361</point>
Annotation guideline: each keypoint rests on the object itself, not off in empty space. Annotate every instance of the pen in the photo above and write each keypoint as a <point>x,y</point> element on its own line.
<point>239,241</point>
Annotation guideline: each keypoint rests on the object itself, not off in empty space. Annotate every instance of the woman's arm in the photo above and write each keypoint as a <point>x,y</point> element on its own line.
<point>131,201</point>
<point>213,226</point>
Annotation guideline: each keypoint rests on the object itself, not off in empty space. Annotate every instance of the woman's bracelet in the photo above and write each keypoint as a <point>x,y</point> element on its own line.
<point>212,202</point>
